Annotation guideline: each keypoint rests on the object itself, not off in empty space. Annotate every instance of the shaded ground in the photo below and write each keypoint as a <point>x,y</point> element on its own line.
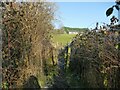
<point>60,81</point>
<point>32,82</point>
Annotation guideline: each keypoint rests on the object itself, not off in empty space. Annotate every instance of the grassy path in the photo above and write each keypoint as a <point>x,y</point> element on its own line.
<point>63,39</point>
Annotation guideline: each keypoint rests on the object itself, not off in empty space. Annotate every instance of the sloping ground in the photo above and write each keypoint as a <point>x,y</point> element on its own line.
<point>62,39</point>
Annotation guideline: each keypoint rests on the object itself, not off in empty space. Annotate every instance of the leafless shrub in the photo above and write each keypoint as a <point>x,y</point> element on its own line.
<point>26,40</point>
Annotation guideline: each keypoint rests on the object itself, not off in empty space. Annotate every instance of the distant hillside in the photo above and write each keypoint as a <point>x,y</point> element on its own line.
<point>68,29</point>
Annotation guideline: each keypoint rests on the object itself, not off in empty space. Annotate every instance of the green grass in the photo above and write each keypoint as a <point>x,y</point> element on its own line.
<point>63,39</point>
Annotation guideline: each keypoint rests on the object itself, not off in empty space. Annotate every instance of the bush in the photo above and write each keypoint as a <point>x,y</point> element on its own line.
<point>26,40</point>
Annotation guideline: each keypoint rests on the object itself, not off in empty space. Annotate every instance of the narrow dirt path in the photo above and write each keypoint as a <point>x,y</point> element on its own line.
<point>60,80</point>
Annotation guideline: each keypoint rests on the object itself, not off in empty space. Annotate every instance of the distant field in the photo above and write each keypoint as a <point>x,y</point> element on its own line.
<point>63,39</point>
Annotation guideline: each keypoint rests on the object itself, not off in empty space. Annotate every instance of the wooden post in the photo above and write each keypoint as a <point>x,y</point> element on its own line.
<point>52,56</point>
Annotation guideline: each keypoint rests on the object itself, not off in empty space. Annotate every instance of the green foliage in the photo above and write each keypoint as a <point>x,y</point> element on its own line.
<point>117,2</point>
<point>117,7</point>
<point>109,11</point>
<point>67,29</point>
